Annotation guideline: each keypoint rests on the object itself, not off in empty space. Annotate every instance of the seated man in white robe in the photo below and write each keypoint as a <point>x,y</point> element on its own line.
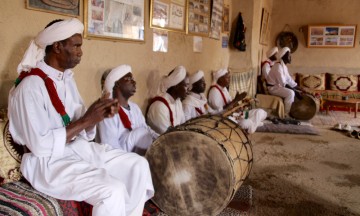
<point>47,114</point>
<point>219,99</point>
<point>127,130</point>
<point>165,110</point>
<point>195,103</point>
<point>269,62</point>
<point>280,83</point>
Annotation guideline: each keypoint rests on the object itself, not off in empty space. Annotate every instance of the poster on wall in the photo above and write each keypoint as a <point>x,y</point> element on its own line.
<point>168,14</point>
<point>216,19</point>
<point>114,19</point>
<point>336,36</point>
<point>199,17</point>
<point>160,40</point>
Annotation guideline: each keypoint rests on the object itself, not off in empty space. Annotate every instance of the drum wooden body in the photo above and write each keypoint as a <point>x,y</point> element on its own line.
<point>197,167</point>
<point>306,108</point>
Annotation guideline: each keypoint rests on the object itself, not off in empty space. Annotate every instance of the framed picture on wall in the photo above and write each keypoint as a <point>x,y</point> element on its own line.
<point>226,18</point>
<point>198,17</point>
<point>264,27</point>
<point>216,19</point>
<point>114,19</point>
<point>63,7</point>
<point>168,14</point>
<point>336,36</point>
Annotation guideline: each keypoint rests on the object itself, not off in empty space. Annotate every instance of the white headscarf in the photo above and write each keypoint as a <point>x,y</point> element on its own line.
<point>272,52</point>
<point>114,75</point>
<point>56,32</point>
<point>173,79</point>
<point>218,74</point>
<point>283,51</point>
<point>195,77</point>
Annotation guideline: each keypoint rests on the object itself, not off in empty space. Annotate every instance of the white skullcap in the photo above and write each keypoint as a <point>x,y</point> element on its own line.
<point>195,77</point>
<point>218,74</point>
<point>283,51</point>
<point>173,79</point>
<point>271,52</point>
<point>56,32</point>
<point>114,75</point>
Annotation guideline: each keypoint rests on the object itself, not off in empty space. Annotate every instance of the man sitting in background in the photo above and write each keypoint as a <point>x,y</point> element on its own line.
<point>127,130</point>
<point>268,63</point>
<point>220,99</point>
<point>280,83</point>
<point>166,109</point>
<point>195,103</point>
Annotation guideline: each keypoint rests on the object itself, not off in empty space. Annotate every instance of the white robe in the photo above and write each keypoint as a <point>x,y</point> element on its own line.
<point>113,132</point>
<point>255,117</point>
<point>216,100</point>
<point>158,115</point>
<point>111,180</point>
<point>279,77</point>
<point>193,101</point>
<point>265,69</point>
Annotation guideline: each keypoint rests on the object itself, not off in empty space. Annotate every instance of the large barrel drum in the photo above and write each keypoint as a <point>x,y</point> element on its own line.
<point>305,108</point>
<point>198,166</point>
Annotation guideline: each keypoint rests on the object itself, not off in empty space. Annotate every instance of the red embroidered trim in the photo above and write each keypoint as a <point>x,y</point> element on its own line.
<point>54,97</point>
<point>199,110</point>
<point>124,119</point>
<point>158,98</point>
<point>221,92</point>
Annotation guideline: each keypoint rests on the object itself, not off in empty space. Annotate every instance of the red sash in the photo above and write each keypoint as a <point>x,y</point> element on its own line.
<point>158,98</point>
<point>198,110</point>
<point>124,119</point>
<point>264,62</point>
<point>49,84</point>
<point>221,92</point>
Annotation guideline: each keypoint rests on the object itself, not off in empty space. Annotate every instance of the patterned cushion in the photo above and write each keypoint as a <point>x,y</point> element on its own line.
<point>312,81</point>
<point>344,82</point>
<point>10,155</point>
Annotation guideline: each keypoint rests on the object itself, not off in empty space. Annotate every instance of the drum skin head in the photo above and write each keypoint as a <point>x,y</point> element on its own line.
<point>304,109</point>
<point>195,173</point>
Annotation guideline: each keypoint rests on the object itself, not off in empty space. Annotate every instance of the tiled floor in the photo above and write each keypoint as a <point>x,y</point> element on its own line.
<point>334,117</point>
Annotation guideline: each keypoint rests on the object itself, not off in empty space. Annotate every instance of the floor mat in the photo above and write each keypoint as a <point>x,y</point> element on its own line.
<point>288,128</point>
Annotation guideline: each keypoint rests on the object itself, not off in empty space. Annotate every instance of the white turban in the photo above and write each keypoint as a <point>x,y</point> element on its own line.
<point>56,32</point>
<point>283,51</point>
<point>114,75</point>
<point>218,74</point>
<point>173,79</point>
<point>272,52</point>
<point>195,77</point>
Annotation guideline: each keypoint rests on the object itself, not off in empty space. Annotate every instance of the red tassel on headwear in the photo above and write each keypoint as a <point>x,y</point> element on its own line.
<point>124,119</point>
<point>49,84</point>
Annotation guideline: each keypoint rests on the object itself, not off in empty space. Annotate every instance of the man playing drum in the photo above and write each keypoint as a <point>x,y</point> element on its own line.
<point>219,99</point>
<point>279,81</point>
<point>195,103</point>
<point>47,114</point>
<point>127,129</point>
<point>166,109</point>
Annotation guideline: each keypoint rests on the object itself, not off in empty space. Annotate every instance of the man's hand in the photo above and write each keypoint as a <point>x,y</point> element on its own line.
<point>100,109</point>
<point>239,97</point>
<point>104,107</point>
